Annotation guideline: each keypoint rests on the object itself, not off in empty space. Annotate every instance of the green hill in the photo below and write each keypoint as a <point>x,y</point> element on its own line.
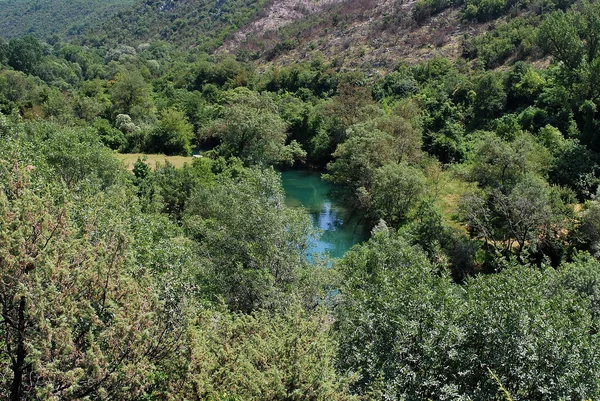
<point>44,18</point>
<point>187,23</point>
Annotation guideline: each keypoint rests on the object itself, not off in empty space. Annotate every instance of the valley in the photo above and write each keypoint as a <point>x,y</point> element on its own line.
<point>329,200</point>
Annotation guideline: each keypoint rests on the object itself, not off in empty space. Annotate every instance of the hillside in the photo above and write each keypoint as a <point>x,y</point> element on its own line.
<point>197,24</point>
<point>354,34</point>
<point>375,35</point>
<point>44,18</point>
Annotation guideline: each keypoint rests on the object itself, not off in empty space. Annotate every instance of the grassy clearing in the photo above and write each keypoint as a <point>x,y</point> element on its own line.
<point>129,159</point>
<point>448,189</point>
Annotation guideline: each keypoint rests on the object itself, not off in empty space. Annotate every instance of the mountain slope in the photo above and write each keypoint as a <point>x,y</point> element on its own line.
<point>362,34</point>
<point>201,24</point>
<point>44,18</point>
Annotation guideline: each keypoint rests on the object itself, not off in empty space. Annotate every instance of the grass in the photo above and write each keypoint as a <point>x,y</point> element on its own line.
<point>129,159</point>
<point>448,189</point>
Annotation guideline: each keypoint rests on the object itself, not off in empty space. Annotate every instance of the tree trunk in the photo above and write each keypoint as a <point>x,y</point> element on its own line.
<point>19,362</point>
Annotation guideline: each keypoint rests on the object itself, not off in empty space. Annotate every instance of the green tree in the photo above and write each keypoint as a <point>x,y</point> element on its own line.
<point>176,185</point>
<point>588,231</point>
<point>351,105</point>
<point>130,94</point>
<point>251,129</point>
<point>490,98</point>
<point>531,215</point>
<point>80,318</point>
<point>397,322</point>
<point>172,134</point>
<point>408,333</point>
<point>498,163</point>
<point>572,39</point>
<point>396,190</point>
<point>24,54</point>
<point>355,160</point>
<point>256,244</point>
<point>264,356</point>
<point>76,155</point>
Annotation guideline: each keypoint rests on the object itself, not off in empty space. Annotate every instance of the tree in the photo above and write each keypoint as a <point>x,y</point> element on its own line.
<point>80,318</point>
<point>397,84</point>
<point>355,160</point>
<point>251,129</point>
<point>264,356</point>
<point>572,39</point>
<point>351,105</point>
<point>490,99</point>
<point>77,155</point>
<point>173,134</point>
<point>524,85</point>
<point>559,35</point>
<point>404,125</point>
<point>396,322</point>
<point>531,215</point>
<point>176,185</point>
<point>130,95</point>
<point>408,333</point>
<point>443,123</point>
<point>255,244</point>
<point>588,232</point>
<point>24,54</point>
<point>499,164</point>
<point>396,190</point>
<point>534,330</point>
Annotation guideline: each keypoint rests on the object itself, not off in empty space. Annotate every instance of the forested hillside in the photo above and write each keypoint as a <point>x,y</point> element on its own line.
<point>474,161</point>
<point>189,24</point>
<point>44,18</point>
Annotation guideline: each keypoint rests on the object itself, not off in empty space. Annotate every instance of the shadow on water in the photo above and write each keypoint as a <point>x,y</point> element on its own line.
<point>341,227</point>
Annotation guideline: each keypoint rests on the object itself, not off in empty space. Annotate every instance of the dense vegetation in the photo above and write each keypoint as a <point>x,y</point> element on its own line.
<point>199,24</point>
<point>45,18</point>
<point>480,281</point>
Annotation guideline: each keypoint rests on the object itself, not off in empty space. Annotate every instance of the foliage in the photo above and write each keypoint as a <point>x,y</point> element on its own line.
<point>513,39</point>
<point>498,163</point>
<point>407,332</point>
<point>173,134</point>
<point>529,216</point>
<point>103,297</point>
<point>24,53</point>
<point>80,317</point>
<point>264,357</point>
<point>396,190</point>
<point>588,232</point>
<point>256,244</point>
<point>129,94</point>
<point>424,9</point>
<point>250,128</point>
<point>371,145</point>
<point>192,281</point>
<point>571,38</point>
<point>44,18</point>
<point>192,23</point>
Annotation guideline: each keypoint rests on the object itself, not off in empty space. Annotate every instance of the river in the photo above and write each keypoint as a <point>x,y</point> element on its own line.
<point>341,228</point>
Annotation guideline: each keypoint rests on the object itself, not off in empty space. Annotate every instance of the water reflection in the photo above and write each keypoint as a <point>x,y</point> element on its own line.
<point>341,228</point>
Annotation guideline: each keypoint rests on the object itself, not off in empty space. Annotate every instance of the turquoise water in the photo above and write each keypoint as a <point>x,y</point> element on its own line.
<point>341,227</point>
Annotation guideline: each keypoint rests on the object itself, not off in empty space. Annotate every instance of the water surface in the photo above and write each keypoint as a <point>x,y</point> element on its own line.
<point>341,227</point>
